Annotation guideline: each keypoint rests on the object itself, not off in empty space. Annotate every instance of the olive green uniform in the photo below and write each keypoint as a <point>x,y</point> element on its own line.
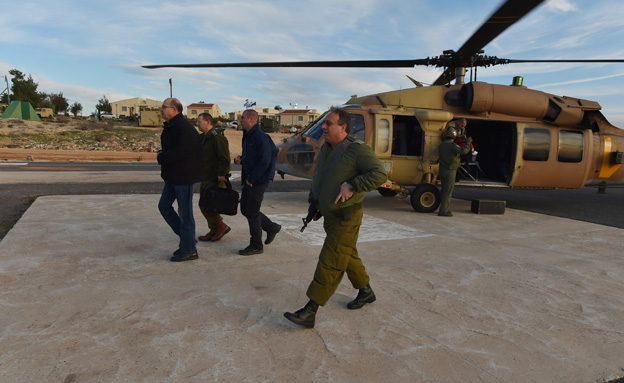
<point>216,157</point>
<point>450,159</point>
<point>360,168</point>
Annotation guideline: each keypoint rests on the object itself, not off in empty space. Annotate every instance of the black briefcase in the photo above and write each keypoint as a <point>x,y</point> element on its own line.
<point>219,200</point>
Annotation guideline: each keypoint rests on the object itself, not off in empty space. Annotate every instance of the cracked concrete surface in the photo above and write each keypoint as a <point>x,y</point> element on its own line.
<point>88,295</point>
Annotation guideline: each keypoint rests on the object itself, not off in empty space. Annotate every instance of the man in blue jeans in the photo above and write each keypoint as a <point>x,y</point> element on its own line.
<point>181,166</point>
<point>258,161</point>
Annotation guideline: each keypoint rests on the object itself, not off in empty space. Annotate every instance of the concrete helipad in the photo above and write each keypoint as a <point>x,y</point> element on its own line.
<point>88,295</point>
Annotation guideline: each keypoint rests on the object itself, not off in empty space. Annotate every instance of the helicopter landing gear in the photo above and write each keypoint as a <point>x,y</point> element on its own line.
<point>425,198</point>
<point>387,192</point>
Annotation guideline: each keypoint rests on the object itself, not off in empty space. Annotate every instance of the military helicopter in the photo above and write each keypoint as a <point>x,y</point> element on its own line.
<point>525,138</point>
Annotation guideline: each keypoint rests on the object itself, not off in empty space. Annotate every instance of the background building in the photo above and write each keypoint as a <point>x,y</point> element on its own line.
<point>297,117</point>
<point>194,110</point>
<point>132,106</point>
<point>262,113</point>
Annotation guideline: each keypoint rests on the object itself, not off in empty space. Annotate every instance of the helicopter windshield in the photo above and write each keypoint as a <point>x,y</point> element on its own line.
<point>315,130</point>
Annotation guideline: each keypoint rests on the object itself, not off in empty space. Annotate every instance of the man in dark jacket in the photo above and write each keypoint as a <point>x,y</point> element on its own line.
<point>258,161</point>
<point>181,166</point>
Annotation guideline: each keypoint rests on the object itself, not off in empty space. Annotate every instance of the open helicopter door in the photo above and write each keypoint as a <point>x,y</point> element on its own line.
<point>495,145</point>
<point>552,157</point>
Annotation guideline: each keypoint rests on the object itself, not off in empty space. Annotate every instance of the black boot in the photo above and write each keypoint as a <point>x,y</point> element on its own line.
<point>365,295</point>
<point>304,316</point>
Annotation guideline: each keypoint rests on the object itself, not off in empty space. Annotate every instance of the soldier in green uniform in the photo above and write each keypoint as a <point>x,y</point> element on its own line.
<point>450,159</point>
<point>342,175</point>
<point>216,157</point>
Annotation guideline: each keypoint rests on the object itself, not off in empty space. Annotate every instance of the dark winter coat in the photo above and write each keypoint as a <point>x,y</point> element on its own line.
<point>181,156</point>
<point>259,156</point>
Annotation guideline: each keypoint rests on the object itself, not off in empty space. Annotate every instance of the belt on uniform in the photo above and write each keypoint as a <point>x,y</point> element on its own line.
<point>346,211</point>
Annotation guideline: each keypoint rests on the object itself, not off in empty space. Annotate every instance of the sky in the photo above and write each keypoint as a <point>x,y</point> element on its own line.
<point>91,49</point>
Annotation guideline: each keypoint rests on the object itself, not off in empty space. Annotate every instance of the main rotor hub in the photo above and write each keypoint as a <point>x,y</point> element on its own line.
<point>451,59</point>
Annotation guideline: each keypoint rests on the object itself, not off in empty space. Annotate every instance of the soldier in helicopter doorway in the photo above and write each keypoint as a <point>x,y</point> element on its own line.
<point>450,159</point>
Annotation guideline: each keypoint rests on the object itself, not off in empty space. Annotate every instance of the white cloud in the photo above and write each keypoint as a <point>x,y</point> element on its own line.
<point>88,49</point>
<point>584,80</point>
<point>563,6</point>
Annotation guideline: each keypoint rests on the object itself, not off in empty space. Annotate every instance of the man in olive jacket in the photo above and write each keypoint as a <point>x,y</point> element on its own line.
<point>216,155</point>
<point>338,188</point>
<point>181,166</point>
<point>450,160</point>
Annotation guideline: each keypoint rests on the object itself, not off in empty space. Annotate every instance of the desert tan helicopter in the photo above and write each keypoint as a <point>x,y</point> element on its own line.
<point>525,138</point>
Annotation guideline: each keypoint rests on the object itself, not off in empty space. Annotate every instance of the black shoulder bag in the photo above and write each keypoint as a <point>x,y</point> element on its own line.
<point>219,200</point>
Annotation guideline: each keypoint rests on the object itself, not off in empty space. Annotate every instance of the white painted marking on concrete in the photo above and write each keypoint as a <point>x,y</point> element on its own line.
<point>13,163</point>
<point>372,229</point>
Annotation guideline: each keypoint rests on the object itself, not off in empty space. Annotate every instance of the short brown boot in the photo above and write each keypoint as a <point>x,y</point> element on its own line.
<point>208,237</point>
<point>222,229</point>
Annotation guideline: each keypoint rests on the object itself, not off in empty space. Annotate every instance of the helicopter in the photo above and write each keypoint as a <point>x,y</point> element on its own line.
<point>525,138</point>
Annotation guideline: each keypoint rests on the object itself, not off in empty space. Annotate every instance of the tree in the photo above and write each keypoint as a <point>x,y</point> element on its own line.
<point>59,102</point>
<point>25,89</point>
<point>46,100</point>
<point>75,108</point>
<point>103,105</point>
<point>277,107</point>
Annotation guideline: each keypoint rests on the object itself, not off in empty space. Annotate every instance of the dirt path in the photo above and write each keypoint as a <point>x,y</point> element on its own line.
<point>47,155</point>
<point>42,155</point>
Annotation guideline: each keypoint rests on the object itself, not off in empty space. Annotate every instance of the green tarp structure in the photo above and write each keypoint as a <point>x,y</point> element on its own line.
<point>22,110</point>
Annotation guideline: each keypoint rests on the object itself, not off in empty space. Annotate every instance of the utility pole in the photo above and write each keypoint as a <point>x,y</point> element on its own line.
<point>293,113</point>
<point>170,87</point>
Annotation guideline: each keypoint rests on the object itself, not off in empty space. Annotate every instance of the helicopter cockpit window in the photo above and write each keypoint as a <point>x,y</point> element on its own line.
<point>570,146</point>
<point>536,144</point>
<point>358,129</point>
<point>316,130</point>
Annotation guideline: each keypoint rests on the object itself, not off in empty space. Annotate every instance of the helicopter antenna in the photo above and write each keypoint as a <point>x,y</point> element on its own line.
<point>417,83</point>
<point>381,102</point>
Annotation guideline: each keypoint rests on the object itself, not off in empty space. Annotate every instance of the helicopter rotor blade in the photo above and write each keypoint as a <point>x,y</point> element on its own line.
<point>479,60</point>
<point>513,61</point>
<point>510,12</point>
<point>306,64</point>
<point>469,55</point>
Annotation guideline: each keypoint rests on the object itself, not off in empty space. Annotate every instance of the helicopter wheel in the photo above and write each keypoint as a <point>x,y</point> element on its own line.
<point>425,198</point>
<point>387,192</point>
